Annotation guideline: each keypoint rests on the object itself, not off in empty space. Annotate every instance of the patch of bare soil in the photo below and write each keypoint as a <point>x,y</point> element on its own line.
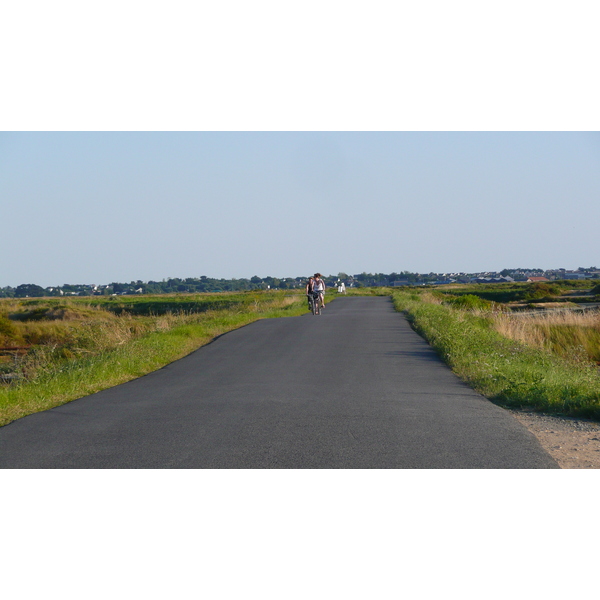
<point>573,443</point>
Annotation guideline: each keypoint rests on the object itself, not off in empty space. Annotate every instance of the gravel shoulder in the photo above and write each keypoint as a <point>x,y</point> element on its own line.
<point>573,443</point>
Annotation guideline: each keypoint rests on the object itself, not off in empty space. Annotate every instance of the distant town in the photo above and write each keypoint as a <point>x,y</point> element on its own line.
<point>207,284</point>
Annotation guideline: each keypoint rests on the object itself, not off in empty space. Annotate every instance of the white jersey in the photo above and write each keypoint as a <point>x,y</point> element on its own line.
<point>318,286</point>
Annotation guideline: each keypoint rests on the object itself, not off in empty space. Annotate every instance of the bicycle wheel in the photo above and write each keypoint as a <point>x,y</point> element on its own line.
<point>317,306</point>
<point>314,305</point>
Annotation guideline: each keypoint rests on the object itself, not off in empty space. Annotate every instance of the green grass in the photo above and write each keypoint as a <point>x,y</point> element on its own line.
<point>105,353</point>
<point>160,305</point>
<point>510,373</point>
<point>468,302</point>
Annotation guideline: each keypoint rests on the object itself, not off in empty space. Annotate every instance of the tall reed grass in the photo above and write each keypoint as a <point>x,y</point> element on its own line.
<point>573,335</point>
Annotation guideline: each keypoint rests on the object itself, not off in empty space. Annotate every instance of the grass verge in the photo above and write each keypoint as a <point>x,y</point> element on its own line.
<point>508,372</point>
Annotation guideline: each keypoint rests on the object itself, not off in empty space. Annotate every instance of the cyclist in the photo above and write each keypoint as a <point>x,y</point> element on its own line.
<point>319,288</point>
<point>309,289</point>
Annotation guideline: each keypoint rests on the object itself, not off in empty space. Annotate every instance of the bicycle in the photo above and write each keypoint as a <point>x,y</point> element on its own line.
<point>313,303</point>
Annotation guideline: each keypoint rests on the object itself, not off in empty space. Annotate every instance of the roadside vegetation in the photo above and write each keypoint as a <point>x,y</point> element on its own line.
<point>546,360</point>
<point>56,350</point>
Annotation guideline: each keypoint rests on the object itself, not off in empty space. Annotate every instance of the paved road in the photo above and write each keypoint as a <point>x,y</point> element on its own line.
<point>353,388</point>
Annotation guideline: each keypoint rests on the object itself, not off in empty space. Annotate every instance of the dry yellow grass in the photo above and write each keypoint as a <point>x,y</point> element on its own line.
<point>431,298</point>
<point>571,334</point>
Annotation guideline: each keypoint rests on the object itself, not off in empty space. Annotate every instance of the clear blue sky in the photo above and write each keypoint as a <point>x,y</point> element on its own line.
<point>102,207</point>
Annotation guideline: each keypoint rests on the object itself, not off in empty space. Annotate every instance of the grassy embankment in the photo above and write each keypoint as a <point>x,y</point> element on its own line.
<point>548,361</point>
<point>75,347</point>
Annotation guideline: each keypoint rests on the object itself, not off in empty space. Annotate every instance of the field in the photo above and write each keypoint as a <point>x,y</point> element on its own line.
<point>514,294</point>
<point>56,350</point>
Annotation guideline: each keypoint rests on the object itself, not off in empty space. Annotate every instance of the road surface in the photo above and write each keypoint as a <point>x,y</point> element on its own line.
<point>353,388</point>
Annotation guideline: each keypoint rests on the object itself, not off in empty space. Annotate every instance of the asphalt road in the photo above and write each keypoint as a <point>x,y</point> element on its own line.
<point>353,388</point>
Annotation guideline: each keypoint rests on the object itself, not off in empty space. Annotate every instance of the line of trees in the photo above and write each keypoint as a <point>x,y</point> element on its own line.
<point>208,284</point>
<point>166,286</point>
